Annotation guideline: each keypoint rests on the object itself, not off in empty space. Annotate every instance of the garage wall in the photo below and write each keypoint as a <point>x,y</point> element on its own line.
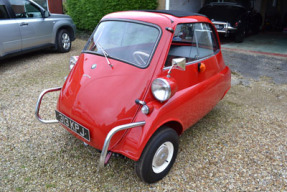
<point>161,5</point>
<point>55,6</point>
<point>257,5</point>
<point>186,5</point>
<point>193,5</point>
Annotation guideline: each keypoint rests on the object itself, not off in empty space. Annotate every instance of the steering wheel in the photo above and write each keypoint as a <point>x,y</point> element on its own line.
<point>24,15</point>
<point>140,57</point>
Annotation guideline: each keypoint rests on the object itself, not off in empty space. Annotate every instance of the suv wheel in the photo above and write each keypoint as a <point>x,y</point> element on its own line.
<point>63,41</point>
<point>239,36</point>
<point>158,156</point>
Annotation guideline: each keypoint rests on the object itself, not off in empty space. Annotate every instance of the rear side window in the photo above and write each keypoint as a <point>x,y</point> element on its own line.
<point>3,12</point>
<point>193,41</point>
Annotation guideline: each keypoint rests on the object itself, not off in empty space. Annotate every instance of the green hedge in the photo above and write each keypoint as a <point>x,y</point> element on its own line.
<point>87,13</point>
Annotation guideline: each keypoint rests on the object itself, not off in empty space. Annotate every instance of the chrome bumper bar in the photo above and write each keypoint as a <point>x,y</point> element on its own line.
<point>37,110</point>
<point>109,136</point>
<point>226,27</point>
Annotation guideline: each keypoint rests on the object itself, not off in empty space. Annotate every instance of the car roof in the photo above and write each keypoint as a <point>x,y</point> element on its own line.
<point>161,18</point>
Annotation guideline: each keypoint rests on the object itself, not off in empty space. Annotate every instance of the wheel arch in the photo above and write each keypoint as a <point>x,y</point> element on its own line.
<point>174,125</point>
<point>133,148</point>
<point>69,29</point>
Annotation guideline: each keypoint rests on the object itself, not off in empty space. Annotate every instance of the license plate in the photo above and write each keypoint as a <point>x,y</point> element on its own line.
<point>73,126</point>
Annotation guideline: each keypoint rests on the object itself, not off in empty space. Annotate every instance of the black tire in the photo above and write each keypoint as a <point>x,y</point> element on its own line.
<point>160,145</point>
<point>63,41</point>
<point>257,21</point>
<point>239,36</point>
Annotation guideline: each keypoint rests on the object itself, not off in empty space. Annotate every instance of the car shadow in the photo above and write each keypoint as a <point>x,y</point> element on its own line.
<point>17,60</point>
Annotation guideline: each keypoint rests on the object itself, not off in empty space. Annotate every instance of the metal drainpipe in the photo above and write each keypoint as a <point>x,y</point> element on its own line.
<point>167,2</point>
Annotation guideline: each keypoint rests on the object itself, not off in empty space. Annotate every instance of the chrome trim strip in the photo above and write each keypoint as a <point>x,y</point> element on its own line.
<point>194,62</point>
<point>109,137</point>
<point>37,110</point>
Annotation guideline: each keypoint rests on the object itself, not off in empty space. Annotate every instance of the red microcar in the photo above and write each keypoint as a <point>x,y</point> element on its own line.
<point>142,79</point>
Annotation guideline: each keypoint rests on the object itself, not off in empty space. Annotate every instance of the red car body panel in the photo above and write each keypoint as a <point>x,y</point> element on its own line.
<point>104,98</point>
<point>180,108</point>
<point>97,98</point>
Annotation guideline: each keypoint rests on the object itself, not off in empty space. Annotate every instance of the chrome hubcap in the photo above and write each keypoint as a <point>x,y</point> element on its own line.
<point>162,157</point>
<point>66,41</point>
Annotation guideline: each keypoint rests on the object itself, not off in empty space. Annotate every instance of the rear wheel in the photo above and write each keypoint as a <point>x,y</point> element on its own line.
<point>158,156</point>
<point>63,41</point>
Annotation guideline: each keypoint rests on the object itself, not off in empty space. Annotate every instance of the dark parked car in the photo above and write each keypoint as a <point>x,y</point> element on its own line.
<point>233,17</point>
<point>26,26</point>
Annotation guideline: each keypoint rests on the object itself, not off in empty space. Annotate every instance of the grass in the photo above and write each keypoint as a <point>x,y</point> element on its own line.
<point>50,186</point>
<point>19,189</point>
<point>27,179</point>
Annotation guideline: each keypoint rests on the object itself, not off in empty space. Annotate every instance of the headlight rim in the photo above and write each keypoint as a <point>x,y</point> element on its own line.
<point>167,87</point>
<point>73,61</point>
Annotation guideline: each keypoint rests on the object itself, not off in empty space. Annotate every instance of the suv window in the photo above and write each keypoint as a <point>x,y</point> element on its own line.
<point>192,41</point>
<point>3,12</point>
<point>25,9</point>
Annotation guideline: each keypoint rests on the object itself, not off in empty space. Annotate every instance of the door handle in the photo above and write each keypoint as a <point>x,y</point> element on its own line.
<point>23,24</point>
<point>201,67</point>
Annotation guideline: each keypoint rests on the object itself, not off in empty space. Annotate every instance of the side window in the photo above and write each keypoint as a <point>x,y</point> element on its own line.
<point>3,12</point>
<point>25,9</point>
<point>192,41</point>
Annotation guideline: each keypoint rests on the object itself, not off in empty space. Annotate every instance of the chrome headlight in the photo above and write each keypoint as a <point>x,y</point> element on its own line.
<point>161,89</point>
<point>73,61</point>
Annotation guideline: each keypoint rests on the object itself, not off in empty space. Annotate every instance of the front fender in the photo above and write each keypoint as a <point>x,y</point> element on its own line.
<point>135,139</point>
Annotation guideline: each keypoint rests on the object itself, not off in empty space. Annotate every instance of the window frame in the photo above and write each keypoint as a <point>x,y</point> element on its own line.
<point>130,21</point>
<point>6,12</point>
<point>215,52</point>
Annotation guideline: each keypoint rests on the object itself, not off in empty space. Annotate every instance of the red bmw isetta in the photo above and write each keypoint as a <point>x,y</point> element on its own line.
<point>142,79</point>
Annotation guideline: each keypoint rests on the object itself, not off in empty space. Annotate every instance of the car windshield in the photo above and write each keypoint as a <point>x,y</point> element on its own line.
<point>131,42</point>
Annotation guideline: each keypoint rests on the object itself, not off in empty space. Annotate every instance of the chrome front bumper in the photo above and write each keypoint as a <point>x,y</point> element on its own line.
<point>109,137</point>
<point>113,131</point>
<point>37,110</point>
<point>223,27</point>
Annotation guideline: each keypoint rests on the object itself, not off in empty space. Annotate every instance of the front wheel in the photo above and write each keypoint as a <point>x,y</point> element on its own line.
<point>239,36</point>
<point>158,156</point>
<point>63,41</point>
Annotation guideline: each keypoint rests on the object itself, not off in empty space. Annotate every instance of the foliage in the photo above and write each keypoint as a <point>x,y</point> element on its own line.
<point>87,13</point>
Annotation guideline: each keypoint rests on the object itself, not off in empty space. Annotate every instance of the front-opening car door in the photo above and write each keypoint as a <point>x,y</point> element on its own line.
<point>10,36</point>
<point>35,29</point>
<point>198,45</point>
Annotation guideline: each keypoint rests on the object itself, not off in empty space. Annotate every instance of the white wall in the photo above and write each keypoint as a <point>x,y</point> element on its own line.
<point>185,5</point>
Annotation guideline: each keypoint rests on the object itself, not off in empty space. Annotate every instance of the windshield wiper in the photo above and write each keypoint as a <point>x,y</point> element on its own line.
<point>105,54</point>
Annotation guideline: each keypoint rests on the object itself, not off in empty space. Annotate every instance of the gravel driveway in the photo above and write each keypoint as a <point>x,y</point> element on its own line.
<point>241,145</point>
